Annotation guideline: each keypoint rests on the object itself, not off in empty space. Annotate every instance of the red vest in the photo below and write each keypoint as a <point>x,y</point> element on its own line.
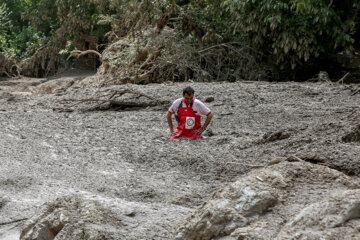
<point>189,122</point>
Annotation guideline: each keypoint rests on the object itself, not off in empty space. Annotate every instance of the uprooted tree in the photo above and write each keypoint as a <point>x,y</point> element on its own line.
<point>115,99</point>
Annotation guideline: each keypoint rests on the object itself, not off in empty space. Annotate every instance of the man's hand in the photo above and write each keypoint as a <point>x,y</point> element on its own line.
<point>173,132</point>
<point>198,131</point>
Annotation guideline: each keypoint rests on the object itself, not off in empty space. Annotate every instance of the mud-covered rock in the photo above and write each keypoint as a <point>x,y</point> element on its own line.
<point>234,205</point>
<point>52,86</point>
<point>254,206</point>
<point>353,136</point>
<point>271,137</point>
<point>209,99</point>
<point>70,218</point>
<point>2,202</point>
<point>327,219</point>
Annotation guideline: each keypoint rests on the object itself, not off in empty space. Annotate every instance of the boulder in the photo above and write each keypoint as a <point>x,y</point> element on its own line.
<point>255,206</point>
<point>235,205</point>
<point>327,219</point>
<point>353,135</point>
<point>70,218</point>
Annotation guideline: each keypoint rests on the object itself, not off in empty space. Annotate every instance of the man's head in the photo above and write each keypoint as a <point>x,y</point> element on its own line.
<point>188,94</point>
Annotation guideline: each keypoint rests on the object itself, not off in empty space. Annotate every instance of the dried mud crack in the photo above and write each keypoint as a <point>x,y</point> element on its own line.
<point>266,170</point>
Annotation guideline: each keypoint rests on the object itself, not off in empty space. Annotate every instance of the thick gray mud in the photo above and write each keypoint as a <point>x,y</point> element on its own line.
<point>124,159</point>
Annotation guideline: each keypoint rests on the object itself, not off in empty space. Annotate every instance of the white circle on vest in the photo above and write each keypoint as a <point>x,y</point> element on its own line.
<point>190,122</point>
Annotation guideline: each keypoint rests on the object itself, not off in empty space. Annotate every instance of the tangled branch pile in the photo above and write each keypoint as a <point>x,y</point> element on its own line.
<point>8,67</point>
<point>45,62</point>
<point>156,57</point>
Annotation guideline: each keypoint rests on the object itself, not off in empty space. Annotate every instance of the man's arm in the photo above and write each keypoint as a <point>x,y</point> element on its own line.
<point>169,119</point>
<point>208,120</point>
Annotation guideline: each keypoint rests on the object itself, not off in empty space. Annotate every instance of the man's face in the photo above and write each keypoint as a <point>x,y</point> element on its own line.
<point>188,98</point>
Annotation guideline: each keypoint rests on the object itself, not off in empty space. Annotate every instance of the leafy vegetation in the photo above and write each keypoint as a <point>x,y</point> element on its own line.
<point>276,34</point>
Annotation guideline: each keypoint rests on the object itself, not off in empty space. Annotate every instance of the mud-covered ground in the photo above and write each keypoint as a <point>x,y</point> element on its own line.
<point>124,159</point>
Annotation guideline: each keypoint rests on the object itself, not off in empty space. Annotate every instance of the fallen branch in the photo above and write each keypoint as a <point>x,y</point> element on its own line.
<point>17,70</point>
<point>353,90</point>
<point>247,165</point>
<point>14,221</point>
<point>7,74</point>
<point>119,93</point>
<point>220,45</point>
<point>114,103</point>
<point>341,80</point>
<point>78,53</point>
<point>150,59</point>
<point>111,98</point>
<point>293,157</point>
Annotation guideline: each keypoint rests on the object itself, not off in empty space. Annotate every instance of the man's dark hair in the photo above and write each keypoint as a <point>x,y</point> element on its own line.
<point>188,91</point>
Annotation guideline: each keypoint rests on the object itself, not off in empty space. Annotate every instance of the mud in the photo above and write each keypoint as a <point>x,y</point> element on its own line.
<point>125,160</point>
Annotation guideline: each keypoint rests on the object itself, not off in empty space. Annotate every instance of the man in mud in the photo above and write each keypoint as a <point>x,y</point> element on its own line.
<point>188,111</point>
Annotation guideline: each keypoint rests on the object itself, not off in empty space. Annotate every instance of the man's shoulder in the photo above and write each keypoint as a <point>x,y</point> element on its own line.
<point>177,101</point>
<point>197,101</point>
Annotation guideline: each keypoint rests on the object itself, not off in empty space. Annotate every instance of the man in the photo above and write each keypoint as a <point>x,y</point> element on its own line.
<point>188,111</point>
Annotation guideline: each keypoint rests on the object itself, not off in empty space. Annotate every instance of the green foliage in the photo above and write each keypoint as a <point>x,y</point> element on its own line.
<point>28,41</point>
<point>27,26</point>
<point>42,15</point>
<point>5,22</point>
<point>5,25</point>
<point>17,37</point>
<point>294,31</point>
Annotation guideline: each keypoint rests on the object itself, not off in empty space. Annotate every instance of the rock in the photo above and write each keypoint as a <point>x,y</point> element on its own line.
<point>209,99</point>
<point>254,206</point>
<point>130,212</point>
<point>234,205</point>
<point>188,200</point>
<point>353,136</point>
<point>69,218</point>
<point>326,219</point>
<point>2,202</point>
<point>271,137</point>
<point>52,86</point>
